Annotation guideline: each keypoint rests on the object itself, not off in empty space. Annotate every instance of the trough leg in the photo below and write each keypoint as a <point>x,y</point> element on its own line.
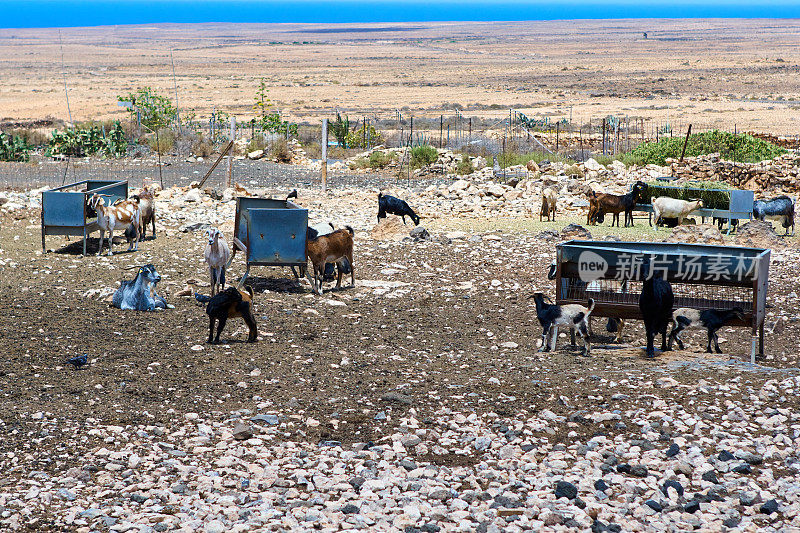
<point>572,338</point>
<point>244,277</point>
<point>84,240</point>
<point>761,340</point>
<point>753,347</point>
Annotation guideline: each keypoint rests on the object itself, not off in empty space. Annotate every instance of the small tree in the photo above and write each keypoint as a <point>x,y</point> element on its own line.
<point>262,103</point>
<point>156,111</point>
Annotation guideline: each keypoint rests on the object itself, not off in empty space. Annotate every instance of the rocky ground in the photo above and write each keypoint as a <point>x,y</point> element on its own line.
<point>416,401</point>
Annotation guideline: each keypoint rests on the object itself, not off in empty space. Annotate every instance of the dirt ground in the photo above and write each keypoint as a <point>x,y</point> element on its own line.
<point>428,327</point>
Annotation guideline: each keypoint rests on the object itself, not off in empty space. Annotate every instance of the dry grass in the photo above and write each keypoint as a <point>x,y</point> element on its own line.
<point>710,72</point>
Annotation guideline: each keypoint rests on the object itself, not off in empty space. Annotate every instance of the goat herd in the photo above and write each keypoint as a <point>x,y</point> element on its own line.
<point>331,249</point>
<point>328,249</point>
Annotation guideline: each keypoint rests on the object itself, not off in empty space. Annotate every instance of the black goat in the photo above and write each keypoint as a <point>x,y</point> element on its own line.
<point>655,303</point>
<point>573,316</point>
<point>722,221</point>
<point>395,206</point>
<point>711,319</point>
<point>780,208</point>
<point>230,303</point>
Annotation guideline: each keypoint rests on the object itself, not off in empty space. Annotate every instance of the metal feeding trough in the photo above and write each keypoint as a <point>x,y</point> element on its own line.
<point>739,205</point>
<point>64,209</point>
<point>702,277</point>
<point>270,233</point>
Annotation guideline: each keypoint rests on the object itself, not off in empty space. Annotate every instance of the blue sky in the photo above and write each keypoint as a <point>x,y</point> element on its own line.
<point>61,13</point>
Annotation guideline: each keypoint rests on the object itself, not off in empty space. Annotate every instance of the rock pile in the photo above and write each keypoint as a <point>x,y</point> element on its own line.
<point>779,174</point>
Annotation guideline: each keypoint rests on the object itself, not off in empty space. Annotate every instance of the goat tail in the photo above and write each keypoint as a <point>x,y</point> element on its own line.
<point>249,290</point>
<point>591,306</point>
<point>350,229</point>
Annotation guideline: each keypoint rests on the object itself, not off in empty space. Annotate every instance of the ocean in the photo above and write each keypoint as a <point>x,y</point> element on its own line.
<point>60,13</point>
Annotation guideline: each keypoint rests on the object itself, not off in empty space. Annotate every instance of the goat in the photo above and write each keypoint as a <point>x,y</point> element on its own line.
<point>722,221</point>
<point>147,205</point>
<point>218,256</point>
<point>549,201</point>
<point>600,204</point>
<point>780,208</point>
<point>655,304</point>
<point>664,207</point>
<point>614,324</point>
<point>230,303</point>
<point>140,294</point>
<point>552,316</point>
<point>120,215</point>
<point>335,247</point>
<point>711,319</point>
<point>395,206</point>
<point>324,228</point>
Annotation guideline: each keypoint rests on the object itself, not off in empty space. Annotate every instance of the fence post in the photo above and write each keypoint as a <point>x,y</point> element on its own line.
<point>324,163</point>
<point>685,142</point>
<point>230,155</point>
<point>604,136</point>
<point>557,136</point>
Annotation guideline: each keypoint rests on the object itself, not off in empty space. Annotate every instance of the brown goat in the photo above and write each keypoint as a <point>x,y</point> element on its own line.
<point>147,205</point>
<point>335,247</point>
<point>549,200</point>
<point>602,203</point>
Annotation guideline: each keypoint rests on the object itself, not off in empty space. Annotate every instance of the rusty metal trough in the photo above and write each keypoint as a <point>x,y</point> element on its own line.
<point>702,277</point>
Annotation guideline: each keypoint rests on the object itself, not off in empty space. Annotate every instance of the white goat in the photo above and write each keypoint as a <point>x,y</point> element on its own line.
<point>118,216</point>
<point>664,207</point>
<point>217,255</point>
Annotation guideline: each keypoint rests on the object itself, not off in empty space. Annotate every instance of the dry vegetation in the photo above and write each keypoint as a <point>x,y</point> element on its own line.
<point>715,72</point>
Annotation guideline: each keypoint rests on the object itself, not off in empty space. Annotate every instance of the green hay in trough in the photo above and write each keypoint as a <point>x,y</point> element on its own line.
<point>713,193</point>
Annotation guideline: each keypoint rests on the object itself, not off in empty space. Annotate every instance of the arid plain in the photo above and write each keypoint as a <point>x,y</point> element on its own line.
<point>715,73</point>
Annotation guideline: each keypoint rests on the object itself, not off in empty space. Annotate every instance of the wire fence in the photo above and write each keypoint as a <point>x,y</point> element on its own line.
<point>553,136</point>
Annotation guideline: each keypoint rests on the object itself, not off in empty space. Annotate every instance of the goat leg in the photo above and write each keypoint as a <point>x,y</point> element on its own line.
<point>211,330</point>
<point>710,338</point>
<point>664,340</point>
<point>222,320</point>
<point>716,342</point>
<point>651,352</point>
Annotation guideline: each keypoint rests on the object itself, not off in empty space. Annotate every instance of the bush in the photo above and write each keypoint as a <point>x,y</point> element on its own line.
<point>364,137</point>
<point>711,192</point>
<point>465,166</point>
<point>737,147</point>
<point>511,158</point>
<point>166,141</point>
<point>376,160</point>
<point>424,155</point>
<point>256,143</point>
<point>13,148</point>
<point>202,147</point>
<point>89,140</point>
<point>279,151</point>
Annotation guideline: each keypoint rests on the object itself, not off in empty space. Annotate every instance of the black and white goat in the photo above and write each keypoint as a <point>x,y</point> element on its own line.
<point>572,316</point>
<point>613,325</point>
<point>710,319</point>
<point>395,206</point>
<point>780,209</point>
<point>655,304</point>
<point>139,294</point>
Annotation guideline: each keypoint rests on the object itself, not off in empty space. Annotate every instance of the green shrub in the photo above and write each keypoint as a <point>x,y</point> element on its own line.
<point>423,155</point>
<point>464,166</point>
<point>737,147</point>
<point>89,140</point>
<point>511,158</point>
<point>363,137</point>
<point>376,160</point>
<point>202,147</point>
<point>13,148</point>
<point>256,143</point>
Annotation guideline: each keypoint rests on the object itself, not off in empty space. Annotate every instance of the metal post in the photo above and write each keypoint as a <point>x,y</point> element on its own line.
<point>324,163</point>
<point>604,136</point>
<point>230,155</point>
<point>686,142</point>
<point>158,151</point>
<point>441,130</point>
<point>557,136</point>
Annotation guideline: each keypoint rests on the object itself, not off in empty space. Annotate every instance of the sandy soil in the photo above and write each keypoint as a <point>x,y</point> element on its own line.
<point>722,73</point>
